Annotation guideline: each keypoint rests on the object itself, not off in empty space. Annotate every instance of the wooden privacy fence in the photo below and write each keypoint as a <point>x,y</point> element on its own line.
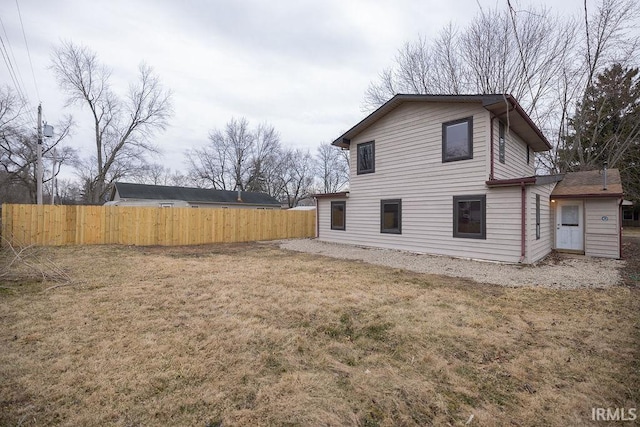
<point>87,225</point>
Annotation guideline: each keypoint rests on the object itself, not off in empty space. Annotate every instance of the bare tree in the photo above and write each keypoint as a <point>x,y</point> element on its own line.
<point>331,168</point>
<point>123,127</point>
<point>546,62</point>
<point>298,176</point>
<point>239,158</point>
<point>18,150</point>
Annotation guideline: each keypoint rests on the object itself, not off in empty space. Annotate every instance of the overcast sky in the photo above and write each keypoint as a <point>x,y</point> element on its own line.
<point>302,66</point>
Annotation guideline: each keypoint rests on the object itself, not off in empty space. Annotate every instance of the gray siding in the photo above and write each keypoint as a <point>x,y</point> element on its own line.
<point>323,215</point>
<point>408,166</point>
<point>602,238</point>
<point>515,165</point>
<point>539,248</point>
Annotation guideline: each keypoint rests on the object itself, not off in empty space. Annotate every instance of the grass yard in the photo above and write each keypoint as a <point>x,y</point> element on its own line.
<point>253,335</point>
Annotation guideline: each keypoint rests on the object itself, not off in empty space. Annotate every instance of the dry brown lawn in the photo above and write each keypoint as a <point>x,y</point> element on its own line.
<point>253,335</point>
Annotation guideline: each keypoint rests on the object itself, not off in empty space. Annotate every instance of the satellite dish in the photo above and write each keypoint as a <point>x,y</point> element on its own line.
<point>47,131</point>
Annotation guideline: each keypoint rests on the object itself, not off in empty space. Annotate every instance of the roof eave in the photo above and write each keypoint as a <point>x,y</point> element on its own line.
<point>536,139</point>
<point>527,180</point>
<point>342,194</point>
<point>586,196</point>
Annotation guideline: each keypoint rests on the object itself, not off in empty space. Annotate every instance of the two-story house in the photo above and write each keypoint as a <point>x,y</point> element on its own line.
<point>455,175</point>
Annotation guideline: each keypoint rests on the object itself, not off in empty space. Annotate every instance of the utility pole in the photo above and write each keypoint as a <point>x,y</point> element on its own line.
<point>39,171</point>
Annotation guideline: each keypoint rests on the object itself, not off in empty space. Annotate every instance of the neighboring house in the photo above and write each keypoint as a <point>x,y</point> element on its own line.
<point>452,175</point>
<point>630,214</point>
<point>127,194</point>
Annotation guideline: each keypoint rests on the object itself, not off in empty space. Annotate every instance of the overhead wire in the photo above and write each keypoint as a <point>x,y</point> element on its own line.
<point>15,78</point>
<point>33,74</point>
<point>13,56</point>
<point>8,55</point>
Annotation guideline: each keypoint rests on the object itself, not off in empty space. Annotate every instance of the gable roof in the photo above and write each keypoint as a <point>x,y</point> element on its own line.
<point>588,184</point>
<point>501,105</point>
<point>203,195</point>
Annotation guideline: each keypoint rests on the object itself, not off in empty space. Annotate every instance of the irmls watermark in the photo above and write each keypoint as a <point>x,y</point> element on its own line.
<point>614,414</point>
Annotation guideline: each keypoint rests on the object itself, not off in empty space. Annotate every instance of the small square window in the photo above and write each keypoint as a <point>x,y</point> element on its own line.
<point>501,142</point>
<point>366,158</point>
<point>469,217</point>
<point>391,216</point>
<point>338,211</point>
<point>457,140</point>
<point>627,214</point>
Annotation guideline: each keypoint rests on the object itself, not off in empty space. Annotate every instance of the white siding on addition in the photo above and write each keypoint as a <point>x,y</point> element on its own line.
<point>602,231</point>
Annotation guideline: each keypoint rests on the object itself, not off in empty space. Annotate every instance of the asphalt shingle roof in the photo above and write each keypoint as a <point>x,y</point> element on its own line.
<point>589,183</point>
<point>203,195</point>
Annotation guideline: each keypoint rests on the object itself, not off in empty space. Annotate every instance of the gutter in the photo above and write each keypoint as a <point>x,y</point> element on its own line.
<point>527,180</point>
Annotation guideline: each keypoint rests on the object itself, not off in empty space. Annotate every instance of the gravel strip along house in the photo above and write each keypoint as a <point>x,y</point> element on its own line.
<point>454,175</point>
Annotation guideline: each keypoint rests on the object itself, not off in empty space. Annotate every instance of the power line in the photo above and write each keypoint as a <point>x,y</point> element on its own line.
<point>15,78</point>
<point>15,74</point>
<point>12,73</point>
<point>28,52</point>
<point>13,56</point>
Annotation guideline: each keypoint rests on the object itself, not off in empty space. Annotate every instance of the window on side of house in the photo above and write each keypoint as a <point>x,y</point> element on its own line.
<point>338,215</point>
<point>469,216</point>
<point>366,158</point>
<point>391,216</point>
<point>537,217</point>
<point>457,140</point>
<point>528,154</point>
<point>627,214</point>
<point>501,142</point>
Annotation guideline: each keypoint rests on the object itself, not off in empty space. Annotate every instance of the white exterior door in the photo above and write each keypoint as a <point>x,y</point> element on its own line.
<point>570,225</point>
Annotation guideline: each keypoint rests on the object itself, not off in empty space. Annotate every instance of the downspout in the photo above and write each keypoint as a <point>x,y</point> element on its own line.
<point>317,218</point>
<point>523,207</point>
<point>491,146</point>
<point>620,228</point>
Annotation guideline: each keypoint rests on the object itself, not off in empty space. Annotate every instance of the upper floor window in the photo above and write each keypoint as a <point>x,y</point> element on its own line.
<point>501,142</point>
<point>366,157</point>
<point>469,216</point>
<point>391,216</point>
<point>338,215</point>
<point>528,154</point>
<point>457,140</point>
